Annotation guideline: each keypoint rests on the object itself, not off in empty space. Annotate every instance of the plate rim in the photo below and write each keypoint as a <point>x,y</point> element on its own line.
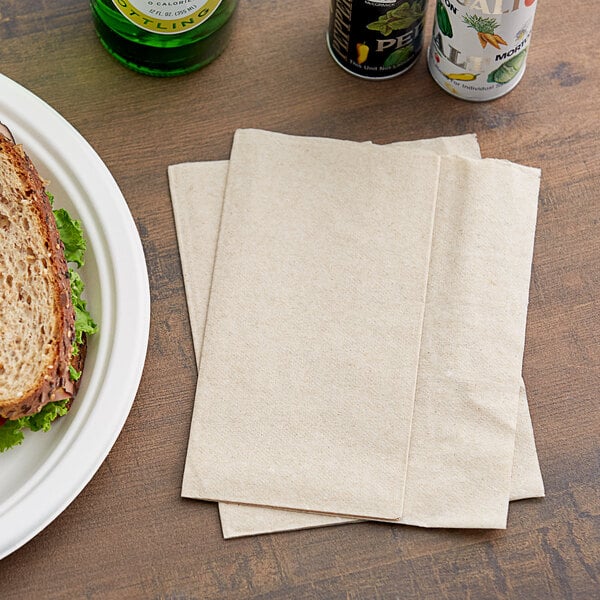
<point>77,458</point>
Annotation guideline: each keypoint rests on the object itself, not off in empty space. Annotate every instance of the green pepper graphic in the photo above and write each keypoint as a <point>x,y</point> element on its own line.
<point>397,57</point>
<point>443,19</point>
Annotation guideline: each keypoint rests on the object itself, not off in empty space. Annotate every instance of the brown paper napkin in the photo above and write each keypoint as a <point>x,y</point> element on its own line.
<point>304,340</point>
<point>461,471</point>
<point>239,520</point>
<point>466,405</point>
<point>526,482</point>
<point>197,192</point>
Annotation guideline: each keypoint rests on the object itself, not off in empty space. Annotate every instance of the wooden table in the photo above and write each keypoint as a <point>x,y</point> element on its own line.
<point>129,534</point>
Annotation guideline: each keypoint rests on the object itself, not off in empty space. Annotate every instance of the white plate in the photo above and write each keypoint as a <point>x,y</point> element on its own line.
<point>39,478</point>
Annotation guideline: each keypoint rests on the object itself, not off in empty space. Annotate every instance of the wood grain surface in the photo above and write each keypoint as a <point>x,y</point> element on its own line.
<point>129,534</point>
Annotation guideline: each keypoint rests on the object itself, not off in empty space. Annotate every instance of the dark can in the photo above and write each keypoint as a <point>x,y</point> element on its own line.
<point>376,39</point>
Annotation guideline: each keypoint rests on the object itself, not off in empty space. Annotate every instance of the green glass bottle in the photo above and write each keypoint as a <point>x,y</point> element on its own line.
<point>164,37</point>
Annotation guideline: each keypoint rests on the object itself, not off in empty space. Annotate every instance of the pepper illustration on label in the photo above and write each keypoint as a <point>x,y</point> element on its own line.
<point>461,76</point>
<point>443,19</point>
<point>362,53</point>
<point>400,56</point>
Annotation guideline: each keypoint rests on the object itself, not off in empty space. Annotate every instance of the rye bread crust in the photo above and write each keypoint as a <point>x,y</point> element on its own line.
<point>52,381</point>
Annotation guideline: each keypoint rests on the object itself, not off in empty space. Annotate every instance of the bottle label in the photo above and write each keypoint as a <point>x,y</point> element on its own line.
<point>167,16</point>
<point>376,39</point>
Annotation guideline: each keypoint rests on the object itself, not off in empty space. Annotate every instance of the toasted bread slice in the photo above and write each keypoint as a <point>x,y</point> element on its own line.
<point>37,318</point>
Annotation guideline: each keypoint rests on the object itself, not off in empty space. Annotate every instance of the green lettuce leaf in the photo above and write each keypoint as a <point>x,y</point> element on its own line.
<point>84,324</point>
<point>71,234</point>
<point>74,373</point>
<point>11,433</point>
<point>43,420</point>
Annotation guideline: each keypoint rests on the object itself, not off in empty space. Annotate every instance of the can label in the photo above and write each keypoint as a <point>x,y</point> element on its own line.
<point>167,16</point>
<point>376,39</point>
<point>479,47</point>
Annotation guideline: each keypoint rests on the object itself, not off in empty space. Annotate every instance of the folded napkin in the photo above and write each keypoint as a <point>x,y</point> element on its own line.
<point>304,346</point>
<point>466,406</point>
<point>423,507</point>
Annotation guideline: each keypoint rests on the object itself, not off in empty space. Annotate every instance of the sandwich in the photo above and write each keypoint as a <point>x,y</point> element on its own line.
<point>44,322</point>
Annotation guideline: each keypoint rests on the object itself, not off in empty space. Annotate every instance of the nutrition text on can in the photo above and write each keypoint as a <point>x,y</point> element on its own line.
<point>479,47</point>
<point>376,39</point>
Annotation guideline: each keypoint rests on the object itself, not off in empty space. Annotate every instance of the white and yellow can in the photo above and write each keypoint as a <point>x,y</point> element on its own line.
<point>479,48</point>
